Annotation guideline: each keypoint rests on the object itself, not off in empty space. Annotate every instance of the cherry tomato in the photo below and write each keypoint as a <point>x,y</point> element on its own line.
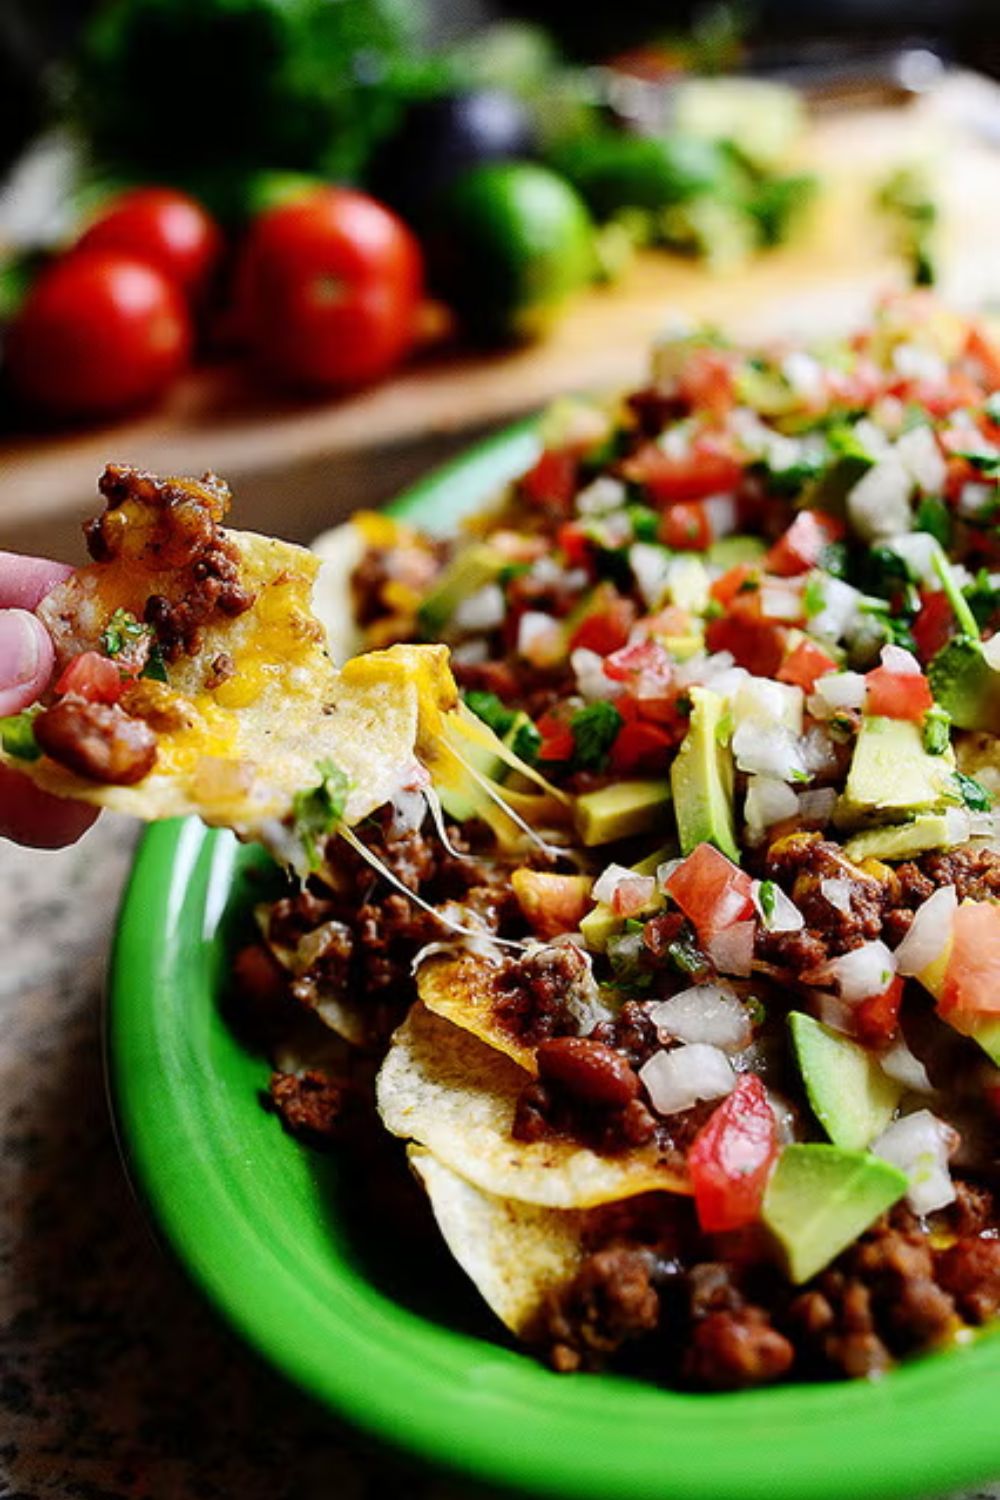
<point>972,978</point>
<point>167,229</point>
<point>898,695</point>
<point>802,545</point>
<point>711,891</point>
<point>99,332</point>
<point>328,290</point>
<point>804,664</point>
<point>92,676</point>
<point>550,483</point>
<point>730,1158</point>
<point>607,629</point>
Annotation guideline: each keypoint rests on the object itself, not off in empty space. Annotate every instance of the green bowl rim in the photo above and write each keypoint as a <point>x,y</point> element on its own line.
<point>457,1402</point>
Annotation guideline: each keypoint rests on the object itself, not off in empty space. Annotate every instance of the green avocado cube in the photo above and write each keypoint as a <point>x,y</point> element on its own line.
<point>850,1095</point>
<point>901,840</point>
<point>621,810</point>
<point>468,572</point>
<point>701,778</point>
<point>820,1198</point>
<point>892,776</point>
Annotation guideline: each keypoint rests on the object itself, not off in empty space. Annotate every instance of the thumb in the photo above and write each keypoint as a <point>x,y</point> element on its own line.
<point>26,659</point>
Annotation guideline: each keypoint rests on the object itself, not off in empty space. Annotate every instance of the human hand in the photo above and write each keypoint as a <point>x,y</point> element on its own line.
<point>27,815</point>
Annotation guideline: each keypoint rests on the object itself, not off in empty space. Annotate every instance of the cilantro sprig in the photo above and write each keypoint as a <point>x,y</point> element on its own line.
<point>595,729</point>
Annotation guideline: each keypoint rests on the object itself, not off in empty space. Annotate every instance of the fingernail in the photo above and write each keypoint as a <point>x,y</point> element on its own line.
<point>22,642</point>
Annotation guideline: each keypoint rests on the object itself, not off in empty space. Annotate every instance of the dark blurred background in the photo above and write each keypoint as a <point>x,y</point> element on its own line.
<point>32,34</point>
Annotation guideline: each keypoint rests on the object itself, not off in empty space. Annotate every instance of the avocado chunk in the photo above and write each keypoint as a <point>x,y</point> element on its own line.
<point>621,810</point>
<point>965,684</point>
<point>820,1198</point>
<point>987,1035</point>
<point>602,922</point>
<point>850,1096</point>
<point>892,776</point>
<point>701,778</point>
<point>730,550</point>
<point>901,840</point>
<point>468,572</point>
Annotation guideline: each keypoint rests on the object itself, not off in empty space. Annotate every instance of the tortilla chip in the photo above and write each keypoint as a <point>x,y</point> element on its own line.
<point>446,1090</point>
<point>515,1254</point>
<point>464,990</point>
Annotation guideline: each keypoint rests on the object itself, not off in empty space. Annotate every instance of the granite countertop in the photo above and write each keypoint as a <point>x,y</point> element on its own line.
<point>116,1382</point>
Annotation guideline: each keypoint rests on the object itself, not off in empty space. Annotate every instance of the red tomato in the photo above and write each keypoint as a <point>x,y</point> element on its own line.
<point>757,644</point>
<point>165,228</point>
<point>557,739</point>
<point>744,578</point>
<point>706,381</point>
<point>92,676</point>
<point>607,629</point>
<point>730,1158</point>
<point>99,333</point>
<point>642,747</point>
<point>551,481</point>
<point>804,664</point>
<point>802,544</point>
<point>711,891</point>
<point>972,978</point>
<point>632,894</point>
<point>877,1018</point>
<point>934,626</point>
<point>551,903</point>
<point>636,660</point>
<point>329,289</point>
<point>898,695</point>
<point>671,620</point>
<point>686,527</point>
<point>983,351</point>
<point>575,544</point>
<point>708,469</point>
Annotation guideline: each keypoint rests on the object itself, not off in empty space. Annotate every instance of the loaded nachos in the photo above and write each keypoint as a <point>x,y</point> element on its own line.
<point>662,925</point>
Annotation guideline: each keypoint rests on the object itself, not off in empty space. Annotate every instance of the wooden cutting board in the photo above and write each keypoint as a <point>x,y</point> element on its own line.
<point>297,467</point>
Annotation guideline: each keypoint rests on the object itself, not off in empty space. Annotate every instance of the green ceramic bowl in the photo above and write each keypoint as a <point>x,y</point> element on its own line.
<point>264,1229</point>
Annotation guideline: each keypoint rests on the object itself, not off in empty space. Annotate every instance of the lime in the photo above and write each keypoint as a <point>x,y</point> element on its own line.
<point>511,242</point>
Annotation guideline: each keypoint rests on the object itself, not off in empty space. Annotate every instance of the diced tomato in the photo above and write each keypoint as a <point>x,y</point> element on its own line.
<point>94,677</point>
<point>744,578</point>
<point>632,894</point>
<point>557,738</point>
<point>802,544</point>
<point>551,482</point>
<point>898,695</point>
<point>640,657</point>
<point>804,664</point>
<point>981,348</point>
<point>643,747</point>
<point>708,468</point>
<point>711,891</point>
<point>551,903</point>
<point>706,381</point>
<point>731,1157</point>
<point>972,979</point>
<point>607,629</point>
<point>757,644</point>
<point>672,620</point>
<point>934,626</point>
<point>877,1018</point>
<point>575,544</point>
<point>686,527</point>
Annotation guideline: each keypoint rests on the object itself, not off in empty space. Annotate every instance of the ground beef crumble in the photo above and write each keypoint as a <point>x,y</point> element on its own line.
<point>312,1105</point>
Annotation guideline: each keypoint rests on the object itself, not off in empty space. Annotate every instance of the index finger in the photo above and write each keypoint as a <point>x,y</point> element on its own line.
<point>26,580</point>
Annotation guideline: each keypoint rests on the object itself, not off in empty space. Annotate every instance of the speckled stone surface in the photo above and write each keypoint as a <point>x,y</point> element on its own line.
<point>116,1383</point>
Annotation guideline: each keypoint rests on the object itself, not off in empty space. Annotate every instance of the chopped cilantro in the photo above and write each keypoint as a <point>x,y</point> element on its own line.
<point>767,896</point>
<point>937,730</point>
<point>792,478</point>
<point>813,596</point>
<point>973,793</point>
<point>317,810</point>
<point>834,559</point>
<point>511,571</point>
<point>526,742</point>
<point>155,667</point>
<point>644,521</point>
<point>124,630</point>
<point>494,714</point>
<point>933,516</point>
<point>594,731</point>
<point>845,442</point>
<point>983,597</point>
<point>17,735</point>
<point>629,958</point>
<point>684,957</point>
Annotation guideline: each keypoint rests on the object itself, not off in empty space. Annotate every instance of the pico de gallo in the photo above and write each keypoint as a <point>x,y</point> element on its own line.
<point>742,626</point>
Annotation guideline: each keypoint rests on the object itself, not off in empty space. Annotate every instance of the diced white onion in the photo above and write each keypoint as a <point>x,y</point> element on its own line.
<point>918,550</point>
<point>902,1065</point>
<point>818,754</point>
<point>929,932</point>
<point>838,893</point>
<point>958,826</point>
<point>900,662</point>
<point>919,453</point>
<point>769,751</point>
<point>772,704</point>
<point>705,1013</point>
<point>650,566</point>
<point>864,972</point>
<point>609,880</point>
<point>471,653</point>
<point>817,806</point>
<point>784,915</point>
<point>842,689</point>
<point>731,950</point>
<point>834,1012</point>
<point>483,610</point>
<point>805,375</point>
<point>602,495</point>
<point>678,1079</point>
<point>780,601</point>
<point>723,516</point>
<point>409,808</point>
<point>915,362</point>
<point>537,634</point>
<point>974,499</point>
<point>840,608</point>
<point>919,1145</point>
<point>591,679</point>
<point>688,584</point>
<point>879,504</point>
<point>768,801</point>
